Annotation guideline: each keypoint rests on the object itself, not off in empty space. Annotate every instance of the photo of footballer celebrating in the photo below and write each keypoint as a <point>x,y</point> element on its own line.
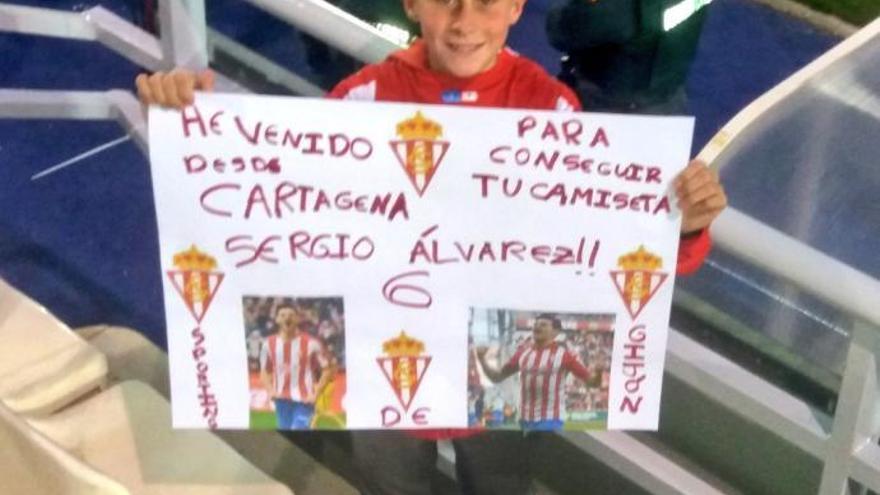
<point>539,370</point>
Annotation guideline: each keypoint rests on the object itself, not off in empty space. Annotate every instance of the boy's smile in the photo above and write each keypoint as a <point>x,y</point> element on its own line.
<point>464,37</point>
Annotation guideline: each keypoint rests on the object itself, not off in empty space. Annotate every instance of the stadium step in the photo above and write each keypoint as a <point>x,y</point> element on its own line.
<point>67,435</point>
<point>39,466</point>
<point>126,432</point>
<point>132,357</point>
<point>44,366</point>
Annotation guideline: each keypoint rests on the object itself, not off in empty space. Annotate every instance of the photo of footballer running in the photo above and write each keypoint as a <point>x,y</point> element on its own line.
<point>538,370</point>
<point>296,362</point>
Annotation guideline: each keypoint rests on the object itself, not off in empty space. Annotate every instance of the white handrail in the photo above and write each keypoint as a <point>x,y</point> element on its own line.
<point>639,463</point>
<point>746,394</point>
<point>45,22</point>
<point>813,271</point>
<point>719,142</point>
<point>95,24</point>
<point>35,104</point>
<point>183,36</point>
<point>273,72</point>
<point>124,38</point>
<point>333,26</point>
<point>864,469</point>
<point>117,105</point>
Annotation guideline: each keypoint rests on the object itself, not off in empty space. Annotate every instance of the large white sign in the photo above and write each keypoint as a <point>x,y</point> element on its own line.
<point>331,264</point>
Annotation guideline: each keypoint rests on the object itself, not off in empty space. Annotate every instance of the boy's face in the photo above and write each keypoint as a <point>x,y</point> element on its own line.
<point>464,37</point>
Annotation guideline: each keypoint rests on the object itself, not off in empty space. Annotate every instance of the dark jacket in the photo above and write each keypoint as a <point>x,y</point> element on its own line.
<point>621,57</point>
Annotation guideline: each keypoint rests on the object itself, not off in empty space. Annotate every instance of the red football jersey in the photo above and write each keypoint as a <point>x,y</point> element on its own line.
<point>512,82</point>
<point>295,365</point>
<point>542,379</point>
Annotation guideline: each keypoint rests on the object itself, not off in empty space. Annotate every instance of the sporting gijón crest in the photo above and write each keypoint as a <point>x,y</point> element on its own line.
<point>196,280</point>
<point>404,366</point>
<point>638,279</point>
<point>419,150</point>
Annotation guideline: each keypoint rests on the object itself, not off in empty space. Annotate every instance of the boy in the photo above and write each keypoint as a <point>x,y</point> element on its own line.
<point>461,58</point>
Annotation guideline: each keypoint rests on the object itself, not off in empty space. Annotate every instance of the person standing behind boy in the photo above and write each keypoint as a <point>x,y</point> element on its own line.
<point>629,56</point>
<point>461,58</point>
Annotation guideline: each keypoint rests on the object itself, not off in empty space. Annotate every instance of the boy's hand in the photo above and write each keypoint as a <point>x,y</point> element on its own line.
<point>700,196</point>
<point>173,89</point>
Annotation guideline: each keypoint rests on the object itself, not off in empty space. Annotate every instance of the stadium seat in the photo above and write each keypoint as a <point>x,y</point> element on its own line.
<point>129,355</point>
<point>68,436</point>
<point>44,366</point>
<point>126,432</point>
<point>132,357</point>
<point>35,465</point>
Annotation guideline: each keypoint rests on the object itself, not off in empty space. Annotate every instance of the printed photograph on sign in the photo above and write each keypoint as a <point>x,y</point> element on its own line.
<point>538,370</point>
<point>296,362</point>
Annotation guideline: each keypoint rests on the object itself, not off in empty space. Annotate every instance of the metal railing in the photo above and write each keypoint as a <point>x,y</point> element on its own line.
<point>846,444</point>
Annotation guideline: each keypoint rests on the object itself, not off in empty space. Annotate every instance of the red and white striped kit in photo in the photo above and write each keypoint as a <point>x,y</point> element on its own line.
<point>295,364</point>
<point>542,378</point>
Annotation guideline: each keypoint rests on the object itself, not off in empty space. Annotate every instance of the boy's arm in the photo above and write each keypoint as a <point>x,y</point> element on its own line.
<point>692,250</point>
<point>494,374</point>
<point>174,89</point>
<point>575,367</point>
<point>701,198</point>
